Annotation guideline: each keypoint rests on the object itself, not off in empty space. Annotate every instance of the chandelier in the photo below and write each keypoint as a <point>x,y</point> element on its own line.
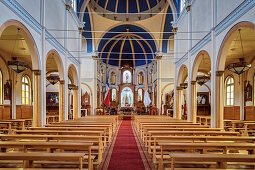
<point>202,79</point>
<point>184,85</point>
<point>14,64</point>
<point>53,78</point>
<point>241,66</point>
<point>17,66</point>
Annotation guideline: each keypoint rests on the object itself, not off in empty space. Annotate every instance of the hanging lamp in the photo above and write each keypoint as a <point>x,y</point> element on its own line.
<point>14,64</point>
<point>202,79</point>
<point>241,66</point>
<point>53,78</point>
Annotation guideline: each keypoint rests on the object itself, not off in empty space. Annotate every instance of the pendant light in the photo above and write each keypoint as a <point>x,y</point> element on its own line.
<point>202,79</point>
<point>14,64</point>
<point>53,78</point>
<point>241,66</point>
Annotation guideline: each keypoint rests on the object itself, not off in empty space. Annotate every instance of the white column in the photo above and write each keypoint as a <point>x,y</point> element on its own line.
<point>61,100</point>
<point>242,102</point>
<point>13,97</point>
<point>66,60</point>
<point>175,68</point>
<point>213,64</point>
<point>37,98</point>
<point>159,88</point>
<point>220,99</point>
<point>178,103</point>
<point>43,70</point>
<point>75,102</point>
<point>193,112</point>
<point>189,91</point>
<point>93,111</point>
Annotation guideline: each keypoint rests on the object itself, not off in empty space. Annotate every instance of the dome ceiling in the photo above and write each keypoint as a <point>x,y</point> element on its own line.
<point>123,10</point>
<point>133,45</point>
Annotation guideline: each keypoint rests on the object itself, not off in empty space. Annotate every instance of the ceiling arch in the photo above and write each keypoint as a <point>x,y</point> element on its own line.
<point>127,43</point>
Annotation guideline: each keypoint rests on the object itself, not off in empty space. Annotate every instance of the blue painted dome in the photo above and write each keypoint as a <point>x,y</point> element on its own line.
<point>127,43</point>
<point>122,10</point>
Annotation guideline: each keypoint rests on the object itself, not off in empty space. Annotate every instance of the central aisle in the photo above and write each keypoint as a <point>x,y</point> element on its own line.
<point>125,153</point>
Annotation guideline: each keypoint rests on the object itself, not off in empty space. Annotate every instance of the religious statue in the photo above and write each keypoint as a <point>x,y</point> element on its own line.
<point>7,91</point>
<point>248,92</point>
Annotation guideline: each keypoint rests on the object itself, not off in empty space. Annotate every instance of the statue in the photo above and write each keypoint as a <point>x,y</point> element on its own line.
<point>248,92</point>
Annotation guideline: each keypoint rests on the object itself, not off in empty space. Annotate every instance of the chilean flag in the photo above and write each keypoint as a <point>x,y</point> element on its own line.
<point>107,97</point>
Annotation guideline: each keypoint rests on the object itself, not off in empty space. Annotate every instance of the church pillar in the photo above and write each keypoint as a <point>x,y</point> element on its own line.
<point>178,105</point>
<point>189,89</point>
<point>36,98</point>
<point>193,113</point>
<point>159,98</point>
<point>220,99</point>
<point>242,102</point>
<point>94,95</point>
<point>213,63</point>
<point>13,99</point>
<point>75,102</point>
<point>61,100</point>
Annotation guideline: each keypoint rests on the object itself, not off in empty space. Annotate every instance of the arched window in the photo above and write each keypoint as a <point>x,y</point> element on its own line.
<point>26,90</point>
<point>140,78</point>
<point>1,87</point>
<point>114,95</point>
<point>140,95</point>
<point>127,77</point>
<point>113,78</point>
<point>229,95</point>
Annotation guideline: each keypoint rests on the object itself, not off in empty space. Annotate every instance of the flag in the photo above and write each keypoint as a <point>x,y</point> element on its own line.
<point>146,99</point>
<point>107,97</point>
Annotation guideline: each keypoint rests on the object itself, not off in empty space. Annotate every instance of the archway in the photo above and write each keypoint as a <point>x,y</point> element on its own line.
<point>72,93</point>
<point>86,100</point>
<point>22,95</point>
<point>181,105</point>
<point>55,87</point>
<point>237,47</point>
<point>127,97</point>
<point>200,90</point>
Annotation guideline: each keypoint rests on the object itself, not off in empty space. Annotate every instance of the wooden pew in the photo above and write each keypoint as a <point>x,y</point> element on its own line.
<point>96,140</point>
<point>44,156</point>
<point>154,140</point>
<point>220,159</point>
<point>49,146</point>
<point>149,134</point>
<point>104,129</point>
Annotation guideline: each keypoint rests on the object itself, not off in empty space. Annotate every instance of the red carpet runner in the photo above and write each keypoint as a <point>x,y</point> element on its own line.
<point>125,155</point>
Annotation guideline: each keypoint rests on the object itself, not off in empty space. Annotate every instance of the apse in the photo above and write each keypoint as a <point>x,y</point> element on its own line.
<point>127,44</point>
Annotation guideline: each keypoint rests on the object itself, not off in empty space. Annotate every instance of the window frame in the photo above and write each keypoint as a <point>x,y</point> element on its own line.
<point>231,91</point>
<point>29,90</point>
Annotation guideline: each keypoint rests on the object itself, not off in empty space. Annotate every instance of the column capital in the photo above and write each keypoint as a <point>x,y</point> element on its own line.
<point>37,72</point>
<point>75,88</point>
<point>159,57</point>
<point>62,81</point>
<point>174,30</point>
<point>219,73</point>
<point>188,7</point>
<point>179,88</point>
<point>95,57</point>
<point>193,82</point>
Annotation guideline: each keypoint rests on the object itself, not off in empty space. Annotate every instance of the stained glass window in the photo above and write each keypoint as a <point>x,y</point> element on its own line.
<point>229,95</point>
<point>26,90</point>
